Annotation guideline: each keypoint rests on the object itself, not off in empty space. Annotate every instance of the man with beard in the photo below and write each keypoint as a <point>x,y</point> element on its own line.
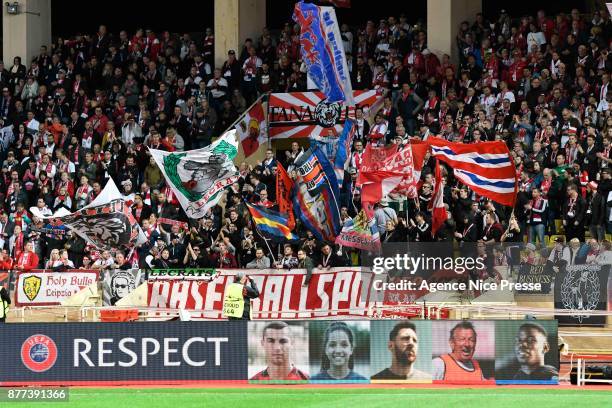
<point>459,365</point>
<point>404,347</point>
<point>530,348</point>
<point>277,343</point>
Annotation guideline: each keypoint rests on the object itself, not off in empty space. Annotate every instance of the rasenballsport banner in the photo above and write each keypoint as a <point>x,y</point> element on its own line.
<point>502,352</point>
<point>107,223</point>
<point>306,114</point>
<point>36,288</point>
<point>334,292</point>
<point>198,177</point>
<point>323,51</point>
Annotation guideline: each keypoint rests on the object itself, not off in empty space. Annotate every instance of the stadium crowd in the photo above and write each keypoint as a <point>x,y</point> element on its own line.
<point>85,110</point>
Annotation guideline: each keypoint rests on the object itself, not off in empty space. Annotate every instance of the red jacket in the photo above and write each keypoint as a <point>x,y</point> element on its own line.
<point>27,261</point>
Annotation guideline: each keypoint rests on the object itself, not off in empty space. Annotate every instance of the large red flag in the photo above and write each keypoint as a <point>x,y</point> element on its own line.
<point>284,185</point>
<point>436,205</point>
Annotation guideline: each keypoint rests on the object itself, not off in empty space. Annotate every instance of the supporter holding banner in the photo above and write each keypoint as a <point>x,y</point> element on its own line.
<point>323,51</point>
<point>107,223</point>
<point>361,233</point>
<point>36,288</point>
<point>316,194</point>
<point>198,177</point>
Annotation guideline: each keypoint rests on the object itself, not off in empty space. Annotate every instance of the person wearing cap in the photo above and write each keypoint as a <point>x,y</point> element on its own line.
<point>231,71</point>
<point>237,297</point>
<point>596,212</point>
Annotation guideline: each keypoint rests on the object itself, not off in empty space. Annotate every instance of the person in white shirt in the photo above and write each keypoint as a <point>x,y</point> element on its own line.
<point>130,130</point>
<point>63,261</point>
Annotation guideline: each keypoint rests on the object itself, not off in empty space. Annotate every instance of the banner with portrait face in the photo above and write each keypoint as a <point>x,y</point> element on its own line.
<point>283,352</point>
<point>117,284</point>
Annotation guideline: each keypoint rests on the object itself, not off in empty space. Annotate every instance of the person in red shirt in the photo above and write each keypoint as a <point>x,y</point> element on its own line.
<point>28,259</point>
<point>277,343</point>
<point>6,262</point>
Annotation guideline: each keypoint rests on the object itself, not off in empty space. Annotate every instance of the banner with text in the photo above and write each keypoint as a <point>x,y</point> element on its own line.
<point>307,114</point>
<point>334,292</point>
<point>50,288</point>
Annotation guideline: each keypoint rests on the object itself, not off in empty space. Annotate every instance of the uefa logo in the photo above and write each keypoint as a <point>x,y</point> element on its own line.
<point>38,353</point>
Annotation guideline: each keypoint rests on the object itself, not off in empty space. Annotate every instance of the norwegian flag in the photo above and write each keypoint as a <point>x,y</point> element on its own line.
<point>251,129</point>
<point>305,114</point>
<point>436,205</point>
<point>487,167</point>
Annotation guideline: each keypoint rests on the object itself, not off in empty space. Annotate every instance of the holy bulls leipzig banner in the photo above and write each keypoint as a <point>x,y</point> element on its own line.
<point>306,114</point>
<point>35,288</point>
<point>107,223</point>
<point>334,292</point>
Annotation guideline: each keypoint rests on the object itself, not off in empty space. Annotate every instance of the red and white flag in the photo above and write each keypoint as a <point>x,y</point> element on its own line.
<point>252,129</point>
<point>436,205</point>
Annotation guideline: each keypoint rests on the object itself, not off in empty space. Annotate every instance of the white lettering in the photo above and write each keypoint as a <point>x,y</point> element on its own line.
<point>185,352</point>
<point>168,350</point>
<point>217,341</point>
<point>82,353</point>
<point>102,352</point>
<point>145,352</point>
<point>131,353</point>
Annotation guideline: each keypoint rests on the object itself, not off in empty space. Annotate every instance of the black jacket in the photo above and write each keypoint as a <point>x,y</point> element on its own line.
<point>249,292</point>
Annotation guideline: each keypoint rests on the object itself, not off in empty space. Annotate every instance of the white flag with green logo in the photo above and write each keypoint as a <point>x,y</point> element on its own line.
<point>198,177</point>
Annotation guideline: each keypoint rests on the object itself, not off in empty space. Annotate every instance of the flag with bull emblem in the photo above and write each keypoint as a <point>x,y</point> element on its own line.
<point>106,223</point>
<point>323,51</point>
<point>198,177</point>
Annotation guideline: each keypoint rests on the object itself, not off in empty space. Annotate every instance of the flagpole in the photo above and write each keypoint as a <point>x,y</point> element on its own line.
<point>243,114</point>
<point>259,233</point>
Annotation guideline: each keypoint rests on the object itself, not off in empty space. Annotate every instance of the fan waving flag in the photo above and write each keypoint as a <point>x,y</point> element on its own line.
<point>106,223</point>
<point>315,195</point>
<point>436,204</point>
<point>323,51</point>
<point>284,186</point>
<point>486,167</point>
<point>198,177</point>
<point>252,129</point>
<point>360,232</point>
<point>337,149</point>
<point>271,224</point>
